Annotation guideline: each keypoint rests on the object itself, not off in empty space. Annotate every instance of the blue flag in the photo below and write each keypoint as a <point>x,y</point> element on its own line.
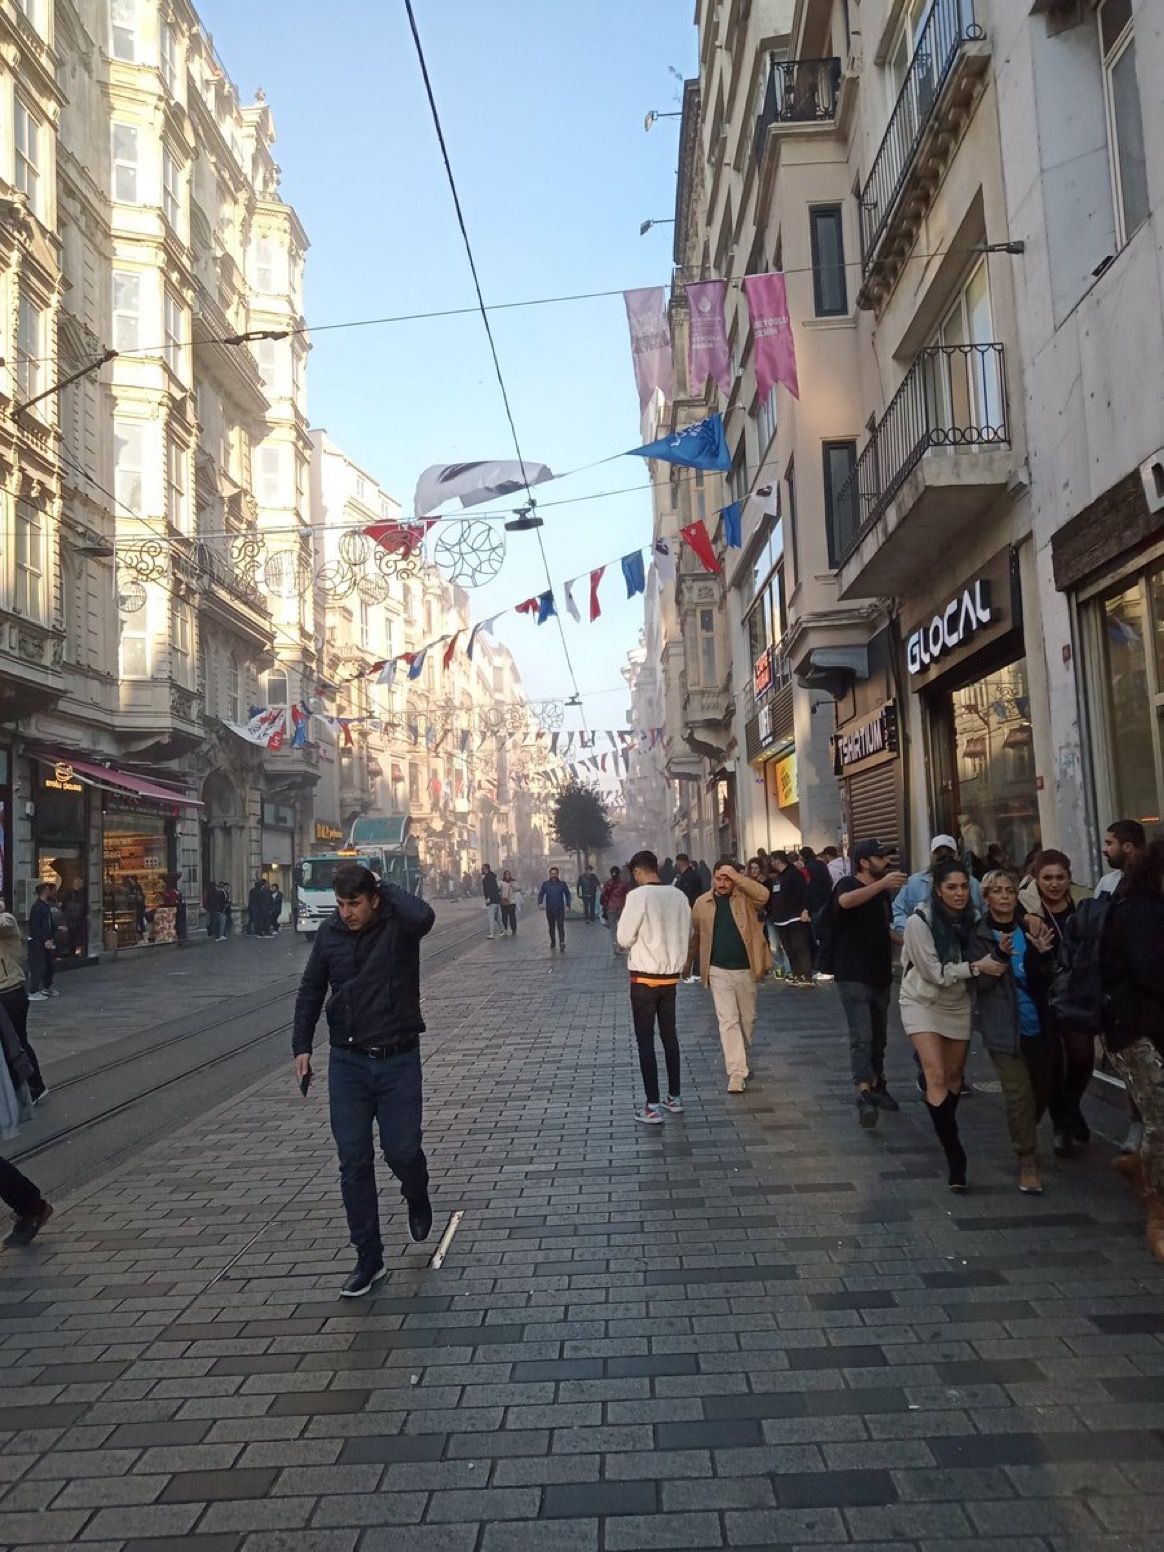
<point>632,570</point>
<point>545,607</point>
<point>733,525</point>
<point>701,446</point>
<point>416,667</point>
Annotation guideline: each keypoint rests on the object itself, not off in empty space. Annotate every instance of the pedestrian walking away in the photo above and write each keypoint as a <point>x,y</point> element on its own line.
<point>1010,1015</point>
<point>732,949</point>
<point>554,899</point>
<point>1132,969</point>
<point>588,886</point>
<point>687,878</point>
<point>859,954</point>
<point>368,955</point>
<point>42,945</point>
<point>655,931</point>
<point>1050,894</point>
<point>276,907</point>
<point>14,998</point>
<point>258,908</point>
<point>788,912</point>
<point>935,1001</point>
<point>216,913</point>
<point>492,892</point>
<point>508,894</point>
<point>1123,846</point>
<point>614,895</point>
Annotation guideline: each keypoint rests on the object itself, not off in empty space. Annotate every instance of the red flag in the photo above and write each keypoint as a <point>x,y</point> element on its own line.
<point>595,606</point>
<point>450,649</point>
<point>530,606</point>
<point>695,535</point>
<point>346,729</point>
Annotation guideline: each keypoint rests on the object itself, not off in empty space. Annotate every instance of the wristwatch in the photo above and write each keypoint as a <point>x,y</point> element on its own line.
<point>974,972</point>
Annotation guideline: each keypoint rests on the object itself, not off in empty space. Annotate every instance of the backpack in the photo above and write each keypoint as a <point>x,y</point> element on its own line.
<point>1076,995</point>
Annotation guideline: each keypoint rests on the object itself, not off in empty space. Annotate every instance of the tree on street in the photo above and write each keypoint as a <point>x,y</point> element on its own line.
<point>581,820</point>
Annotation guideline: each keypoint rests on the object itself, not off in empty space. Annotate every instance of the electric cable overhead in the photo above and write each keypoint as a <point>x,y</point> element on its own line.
<point>452,182</point>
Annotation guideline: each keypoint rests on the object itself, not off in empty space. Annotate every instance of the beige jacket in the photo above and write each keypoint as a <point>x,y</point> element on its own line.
<point>1032,901</point>
<point>747,898</point>
<point>12,961</point>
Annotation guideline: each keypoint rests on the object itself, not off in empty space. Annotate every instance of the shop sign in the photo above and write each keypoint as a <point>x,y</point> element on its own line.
<point>327,832</point>
<point>951,627</point>
<point>787,784</point>
<point>762,673</point>
<point>764,725</point>
<point>867,743</point>
<point>63,779</point>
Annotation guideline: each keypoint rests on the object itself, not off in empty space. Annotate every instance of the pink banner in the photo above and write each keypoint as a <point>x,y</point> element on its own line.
<point>707,344</point>
<point>646,316</point>
<point>775,349</point>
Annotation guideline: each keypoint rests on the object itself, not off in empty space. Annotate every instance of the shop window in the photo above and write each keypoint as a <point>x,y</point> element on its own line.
<point>1132,686</point>
<point>1125,124</point>
<point>994,807</point>
<point>829,291</point>
<point>842,510</point>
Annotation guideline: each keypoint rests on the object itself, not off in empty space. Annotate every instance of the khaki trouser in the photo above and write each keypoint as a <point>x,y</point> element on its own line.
<point>734,995</point>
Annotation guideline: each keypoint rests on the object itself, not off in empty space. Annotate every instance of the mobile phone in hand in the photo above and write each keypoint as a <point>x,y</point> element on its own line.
<point>305,1082</point>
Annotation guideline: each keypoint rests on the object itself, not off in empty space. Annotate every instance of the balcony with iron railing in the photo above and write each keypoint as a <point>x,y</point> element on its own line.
<point>932,108</point>
<point>798,92</point>
<point>933,462</point>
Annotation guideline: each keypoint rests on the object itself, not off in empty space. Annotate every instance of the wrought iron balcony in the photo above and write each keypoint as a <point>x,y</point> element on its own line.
<point>954,396</point>
<point>949,28</point>
<point>799,91</point>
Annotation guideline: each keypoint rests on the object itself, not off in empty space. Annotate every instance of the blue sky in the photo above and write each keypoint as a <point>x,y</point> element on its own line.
<point>542,104</point>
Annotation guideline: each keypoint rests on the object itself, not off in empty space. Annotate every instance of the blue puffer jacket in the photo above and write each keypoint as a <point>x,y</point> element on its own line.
<point>374,977</point>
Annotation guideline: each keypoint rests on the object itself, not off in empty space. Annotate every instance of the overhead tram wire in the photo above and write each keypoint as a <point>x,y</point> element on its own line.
<point>452,182</point>
<point>252,336</point>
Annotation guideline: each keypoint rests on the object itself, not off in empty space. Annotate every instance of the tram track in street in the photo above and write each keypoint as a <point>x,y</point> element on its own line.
<point>111,1107</point>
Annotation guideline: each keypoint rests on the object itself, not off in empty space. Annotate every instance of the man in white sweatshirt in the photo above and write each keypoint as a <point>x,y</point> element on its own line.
<point>655,930</point>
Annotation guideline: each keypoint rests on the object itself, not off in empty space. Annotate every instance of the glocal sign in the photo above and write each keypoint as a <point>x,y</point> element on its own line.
<point>970,611</point>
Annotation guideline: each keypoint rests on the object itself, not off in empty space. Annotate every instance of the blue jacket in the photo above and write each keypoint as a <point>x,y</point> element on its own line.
<point>555,896</point>
<point>917,889</point>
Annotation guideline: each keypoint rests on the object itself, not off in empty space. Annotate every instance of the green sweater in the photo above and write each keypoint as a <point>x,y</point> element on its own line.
<point>728,950</point>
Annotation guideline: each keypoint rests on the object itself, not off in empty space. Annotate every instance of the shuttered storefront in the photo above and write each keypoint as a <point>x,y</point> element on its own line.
<point>874,806</point>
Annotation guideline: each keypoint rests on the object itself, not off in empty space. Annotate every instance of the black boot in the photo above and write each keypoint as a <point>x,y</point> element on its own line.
<point>945,1119</point>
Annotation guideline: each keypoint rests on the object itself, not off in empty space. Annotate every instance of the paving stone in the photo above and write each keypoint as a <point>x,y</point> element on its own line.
<point>661,1531</point>
<point>602,1498</point>
<point>540,1536</point>
<point>318,1402</point>
<point>784,1527</point>
<point>214,1486</point>
<point>383,1448</point>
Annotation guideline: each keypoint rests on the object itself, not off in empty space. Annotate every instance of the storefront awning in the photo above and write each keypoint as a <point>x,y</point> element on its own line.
<point>111,780</point>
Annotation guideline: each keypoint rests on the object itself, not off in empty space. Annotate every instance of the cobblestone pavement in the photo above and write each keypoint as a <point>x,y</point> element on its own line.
<point>755,1326</point>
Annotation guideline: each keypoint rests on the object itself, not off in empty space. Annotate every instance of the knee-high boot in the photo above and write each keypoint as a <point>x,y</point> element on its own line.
<point>945,1119</point>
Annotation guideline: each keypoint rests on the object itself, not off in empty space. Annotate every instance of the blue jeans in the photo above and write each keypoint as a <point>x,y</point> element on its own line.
<point>385,1091</point>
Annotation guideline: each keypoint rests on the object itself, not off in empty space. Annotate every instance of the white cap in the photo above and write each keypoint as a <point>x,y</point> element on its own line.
<point>943,840</point>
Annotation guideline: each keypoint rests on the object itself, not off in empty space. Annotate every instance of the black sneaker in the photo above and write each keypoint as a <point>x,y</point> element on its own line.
<point>884,1100</point>
<point>369,1270</point>
<point>1064,1144</point>
<point>25,1230</point>
<point>420,1220</point>
<point>866,1108</point>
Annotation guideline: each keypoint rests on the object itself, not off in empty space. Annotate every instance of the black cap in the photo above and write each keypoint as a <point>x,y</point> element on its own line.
<point>866,849</point>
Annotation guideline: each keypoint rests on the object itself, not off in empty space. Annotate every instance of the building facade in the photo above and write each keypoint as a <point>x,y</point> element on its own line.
<point>944,611</point>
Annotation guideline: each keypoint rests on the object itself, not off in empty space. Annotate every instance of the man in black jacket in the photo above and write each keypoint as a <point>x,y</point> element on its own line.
<point>42,945</point>
<point>687,878</point>
<point>368,953</point>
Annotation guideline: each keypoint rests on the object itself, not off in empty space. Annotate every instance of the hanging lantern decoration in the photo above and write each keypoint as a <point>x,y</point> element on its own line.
<point>469,554</point>
<point>354,548</point>
<point>372,589</point>
<point>286,574</point>
<point>549,714</point>
<point>131,596</point>
<point>335,581</point>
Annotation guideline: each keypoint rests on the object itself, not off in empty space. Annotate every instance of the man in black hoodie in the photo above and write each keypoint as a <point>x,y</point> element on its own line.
<point>368,953</point>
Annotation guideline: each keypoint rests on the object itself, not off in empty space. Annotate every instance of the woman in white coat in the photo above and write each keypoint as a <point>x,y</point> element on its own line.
<point>936,1000</point>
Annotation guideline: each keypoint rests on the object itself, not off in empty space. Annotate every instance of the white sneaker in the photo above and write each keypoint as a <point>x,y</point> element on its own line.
<point>649,1115</point>
<point>52,992</point>
<point>38,997</point>
<point>691,980</point>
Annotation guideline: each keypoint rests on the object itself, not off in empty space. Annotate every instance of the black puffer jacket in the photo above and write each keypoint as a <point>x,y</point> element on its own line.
<point>1132,967</point>
<point>374,977</point>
